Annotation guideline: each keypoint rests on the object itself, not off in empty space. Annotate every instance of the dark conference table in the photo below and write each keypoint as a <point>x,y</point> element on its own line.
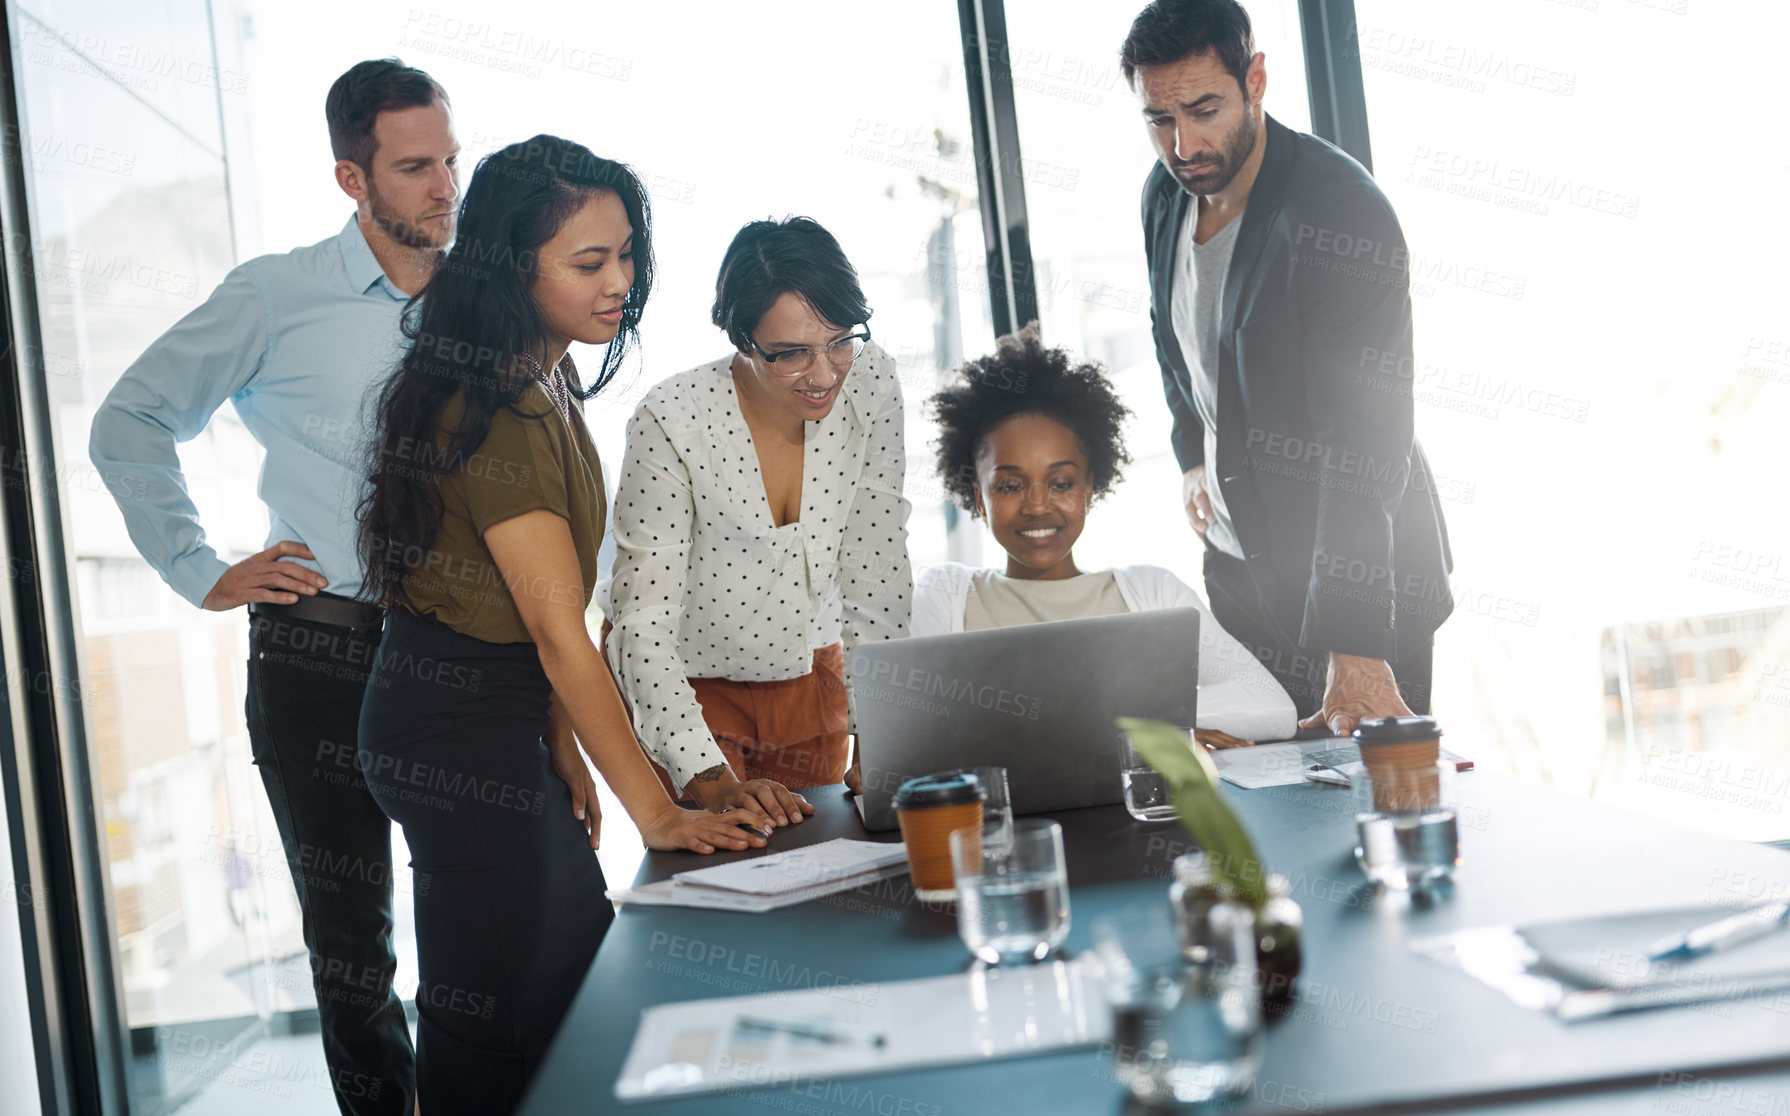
<point>1371,1027</point>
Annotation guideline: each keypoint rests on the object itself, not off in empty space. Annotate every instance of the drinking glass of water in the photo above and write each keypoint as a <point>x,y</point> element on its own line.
<point>1183,1032</point>
<point>997,808</point>
<point>1012,891</point>
<point>1147,794</point>
<point>1407,836</point>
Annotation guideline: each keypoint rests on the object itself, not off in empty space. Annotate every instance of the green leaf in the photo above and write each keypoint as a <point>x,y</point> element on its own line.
<point>1203,811</point>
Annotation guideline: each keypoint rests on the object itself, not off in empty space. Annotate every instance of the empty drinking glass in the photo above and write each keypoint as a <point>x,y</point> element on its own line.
<point>1182,1032</point>
<point>1012,893</point>
<point>1147,793</point>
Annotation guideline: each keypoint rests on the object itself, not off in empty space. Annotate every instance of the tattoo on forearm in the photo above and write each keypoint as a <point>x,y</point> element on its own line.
<point>712,775</point>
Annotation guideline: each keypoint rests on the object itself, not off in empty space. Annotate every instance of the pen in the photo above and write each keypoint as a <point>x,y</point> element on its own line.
<point>1742,927</point>
<point>799,1030</point>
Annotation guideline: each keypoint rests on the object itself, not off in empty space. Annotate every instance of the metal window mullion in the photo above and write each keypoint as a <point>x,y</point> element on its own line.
<point>1333,76</point>
<point>76,993</point>
<point>1000,178</point>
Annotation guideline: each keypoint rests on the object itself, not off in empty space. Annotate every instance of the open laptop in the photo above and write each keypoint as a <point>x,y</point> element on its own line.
<point>1037,699</point>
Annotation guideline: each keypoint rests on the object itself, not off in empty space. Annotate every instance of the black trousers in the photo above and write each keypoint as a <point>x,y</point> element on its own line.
<point>305,684</point>
<point>1238,605</point>
<point>509,896</point>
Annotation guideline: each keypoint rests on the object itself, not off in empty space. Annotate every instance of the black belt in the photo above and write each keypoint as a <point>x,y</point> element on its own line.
<point>325,608</point>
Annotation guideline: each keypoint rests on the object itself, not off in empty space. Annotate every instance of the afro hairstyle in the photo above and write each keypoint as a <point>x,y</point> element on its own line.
<point>1023,376</point>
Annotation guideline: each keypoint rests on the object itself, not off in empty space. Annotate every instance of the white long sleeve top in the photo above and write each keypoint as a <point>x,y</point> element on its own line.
<point>707,586</point>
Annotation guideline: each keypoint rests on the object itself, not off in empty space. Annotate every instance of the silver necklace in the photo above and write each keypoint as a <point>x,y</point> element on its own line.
<point>555,382</point>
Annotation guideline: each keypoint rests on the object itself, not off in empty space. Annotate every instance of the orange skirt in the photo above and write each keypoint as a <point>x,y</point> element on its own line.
<point>792,731</point>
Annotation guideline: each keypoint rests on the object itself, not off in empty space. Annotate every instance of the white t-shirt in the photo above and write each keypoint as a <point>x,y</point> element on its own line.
<point>1194,308</point>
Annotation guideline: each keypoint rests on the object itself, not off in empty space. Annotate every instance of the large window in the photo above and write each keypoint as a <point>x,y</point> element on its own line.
<point>123,139</point>
<point>167,144</point>
<point>1602,358</point>
<point>1602,355</point>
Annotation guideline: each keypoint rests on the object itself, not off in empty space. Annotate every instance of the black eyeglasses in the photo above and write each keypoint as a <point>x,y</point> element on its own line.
<point>795,362</point>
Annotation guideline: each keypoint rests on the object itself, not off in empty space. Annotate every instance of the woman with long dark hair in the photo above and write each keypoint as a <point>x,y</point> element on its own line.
<point>481,532</point>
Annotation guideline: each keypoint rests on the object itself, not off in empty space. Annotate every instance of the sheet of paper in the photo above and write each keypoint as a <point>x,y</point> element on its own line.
<point>1341,763</point>
<point>1265,765</point>
<point>1293,761</point>
<point>669,893</point>
<point>796,869</point>
<point>1503,958</point>
<point>843,1030</point>
<point>672,893</point>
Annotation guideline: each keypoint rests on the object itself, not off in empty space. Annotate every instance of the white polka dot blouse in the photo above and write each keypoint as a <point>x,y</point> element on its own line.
<point>706,585</point>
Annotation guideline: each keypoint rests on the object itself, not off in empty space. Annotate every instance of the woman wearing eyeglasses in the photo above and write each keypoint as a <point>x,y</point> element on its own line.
<point>761,532</point>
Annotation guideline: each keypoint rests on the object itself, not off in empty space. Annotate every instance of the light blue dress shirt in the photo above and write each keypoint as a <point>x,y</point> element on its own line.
<point>297,342</point>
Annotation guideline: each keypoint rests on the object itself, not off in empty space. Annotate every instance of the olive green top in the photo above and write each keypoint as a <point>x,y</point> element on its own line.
<point>531,459</point>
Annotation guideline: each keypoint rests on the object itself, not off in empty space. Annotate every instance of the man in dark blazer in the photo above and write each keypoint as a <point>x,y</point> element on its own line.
<point>1281,311</point>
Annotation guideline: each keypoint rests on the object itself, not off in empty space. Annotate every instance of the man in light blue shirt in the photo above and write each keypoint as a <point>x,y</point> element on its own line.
<point>296,342</point>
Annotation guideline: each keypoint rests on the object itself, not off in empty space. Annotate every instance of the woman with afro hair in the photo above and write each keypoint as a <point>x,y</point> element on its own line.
<point>1028,440</point>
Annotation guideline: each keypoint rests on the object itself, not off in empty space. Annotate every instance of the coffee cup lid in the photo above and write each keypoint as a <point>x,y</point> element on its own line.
<point>1396,730</point>
<point>945,789</point>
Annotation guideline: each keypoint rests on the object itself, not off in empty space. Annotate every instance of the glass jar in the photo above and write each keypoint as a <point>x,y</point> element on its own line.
<point>1187,1034</point>
<point>1195,891</point>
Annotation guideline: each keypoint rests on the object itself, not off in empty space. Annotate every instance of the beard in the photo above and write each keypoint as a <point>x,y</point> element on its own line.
<point>409,232</point>
<point>1211,176</point>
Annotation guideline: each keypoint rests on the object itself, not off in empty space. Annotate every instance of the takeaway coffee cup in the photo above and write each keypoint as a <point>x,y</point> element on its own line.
<point>929,808</point>
<point>1400,754</point>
